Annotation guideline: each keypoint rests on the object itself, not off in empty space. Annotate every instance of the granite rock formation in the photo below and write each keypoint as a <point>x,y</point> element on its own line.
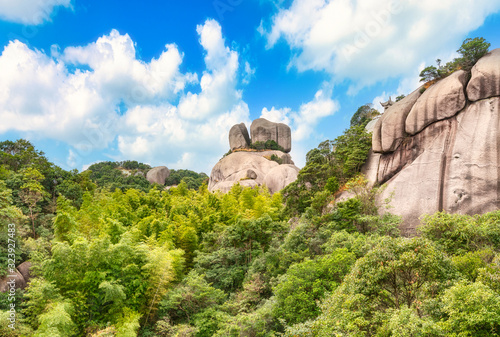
<point>263,130</point>
<point>158,175</point>
<point>238,137</point>
<point>272,168</point>
<point>440,150</point>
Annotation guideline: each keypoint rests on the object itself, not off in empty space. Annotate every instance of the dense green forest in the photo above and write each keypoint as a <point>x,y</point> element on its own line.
<point>114,256</point>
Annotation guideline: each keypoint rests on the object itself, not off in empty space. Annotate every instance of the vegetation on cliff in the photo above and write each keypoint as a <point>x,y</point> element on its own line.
<point>112,255</point>
<point>185,262</point>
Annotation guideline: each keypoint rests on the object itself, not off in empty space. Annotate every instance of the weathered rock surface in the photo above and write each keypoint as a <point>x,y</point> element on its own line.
<point>453,165</point>
<point>471,179</point>
<point>280,177</point>
<point>371,125</point>
<point>485,79</point>
<point>20,283</point>
<point>158,175</point>
<point>238,137</point>
<point>389,131</point>
<point>449,157</point>
<point>442,100</point>
<point>251,169</point>
<point>24,269</point>
<point>263,130</point>
<point>285,157</point>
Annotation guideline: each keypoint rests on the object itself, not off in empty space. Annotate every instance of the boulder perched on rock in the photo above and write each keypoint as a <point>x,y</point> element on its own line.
<point>238,137</point>
<point>263,130</point>
<point>24,269</point>
<point>251,168</point>
<point>485,80</point>
<point>449,157</point>
<point>158,175</point>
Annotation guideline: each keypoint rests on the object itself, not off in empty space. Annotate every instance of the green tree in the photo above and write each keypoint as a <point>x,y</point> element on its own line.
<point>32,192</point>
<point>471,310</point>
<point>429,73</point>
<point>471,51</point>
<point>397,274</point>
<point>191,296</point>
<point>364,114</point>
<point>304,284</point>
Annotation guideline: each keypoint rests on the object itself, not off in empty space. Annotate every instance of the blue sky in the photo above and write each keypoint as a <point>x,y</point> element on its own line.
<point>163,81</point>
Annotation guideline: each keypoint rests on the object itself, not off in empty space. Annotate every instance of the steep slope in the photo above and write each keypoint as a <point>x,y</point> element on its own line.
<point>439,151</point>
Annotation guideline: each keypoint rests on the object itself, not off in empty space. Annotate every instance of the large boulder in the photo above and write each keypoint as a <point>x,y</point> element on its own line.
<point>442,100</point>
<point>371,124</point>
<point>24,269</point>
<point>249,169</point>
<point>263,130</point>
<point>389,131</point>
<point>158,175</point>
<point>485,80</point>
<point>238,137</point>
<point>413,177</point>
<point>18,278</point>
<point>280,177</point>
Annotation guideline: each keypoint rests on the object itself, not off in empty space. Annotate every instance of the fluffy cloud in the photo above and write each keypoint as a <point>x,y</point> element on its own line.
<point>101,96</point>
<point>368,40</point>
<point>195,131</point>
<point>304,121</point>
<point>30,12</point>
<point>218,81</point>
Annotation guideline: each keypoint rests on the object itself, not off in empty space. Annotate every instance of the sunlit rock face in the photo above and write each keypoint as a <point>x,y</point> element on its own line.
<point>439,151</point>
<point>272,168</point>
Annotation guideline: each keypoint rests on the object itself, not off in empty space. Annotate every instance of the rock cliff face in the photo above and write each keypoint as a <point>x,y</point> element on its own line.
<point>272,168</point>
<point>440,150</point>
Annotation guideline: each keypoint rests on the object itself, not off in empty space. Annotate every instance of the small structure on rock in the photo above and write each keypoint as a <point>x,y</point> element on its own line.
<point>249,167</point>
<point>387,104</point>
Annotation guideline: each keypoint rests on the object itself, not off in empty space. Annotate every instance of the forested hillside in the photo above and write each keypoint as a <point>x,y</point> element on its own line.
<point>114,256</point>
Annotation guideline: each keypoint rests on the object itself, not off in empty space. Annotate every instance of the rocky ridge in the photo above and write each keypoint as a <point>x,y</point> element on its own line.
<point>440,150</point>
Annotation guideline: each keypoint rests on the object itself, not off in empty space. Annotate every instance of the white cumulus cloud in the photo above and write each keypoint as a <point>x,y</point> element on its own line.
<point>101,96</point>
<point>368,41</point>
<point>30,12</point>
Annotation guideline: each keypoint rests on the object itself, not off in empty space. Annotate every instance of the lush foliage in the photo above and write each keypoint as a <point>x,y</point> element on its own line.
<point>363,115</point>
<point>149,262</point>
<point>329,167</point>
<point>192,179</point>
<point>470,52</point>
<point>267,145</point>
